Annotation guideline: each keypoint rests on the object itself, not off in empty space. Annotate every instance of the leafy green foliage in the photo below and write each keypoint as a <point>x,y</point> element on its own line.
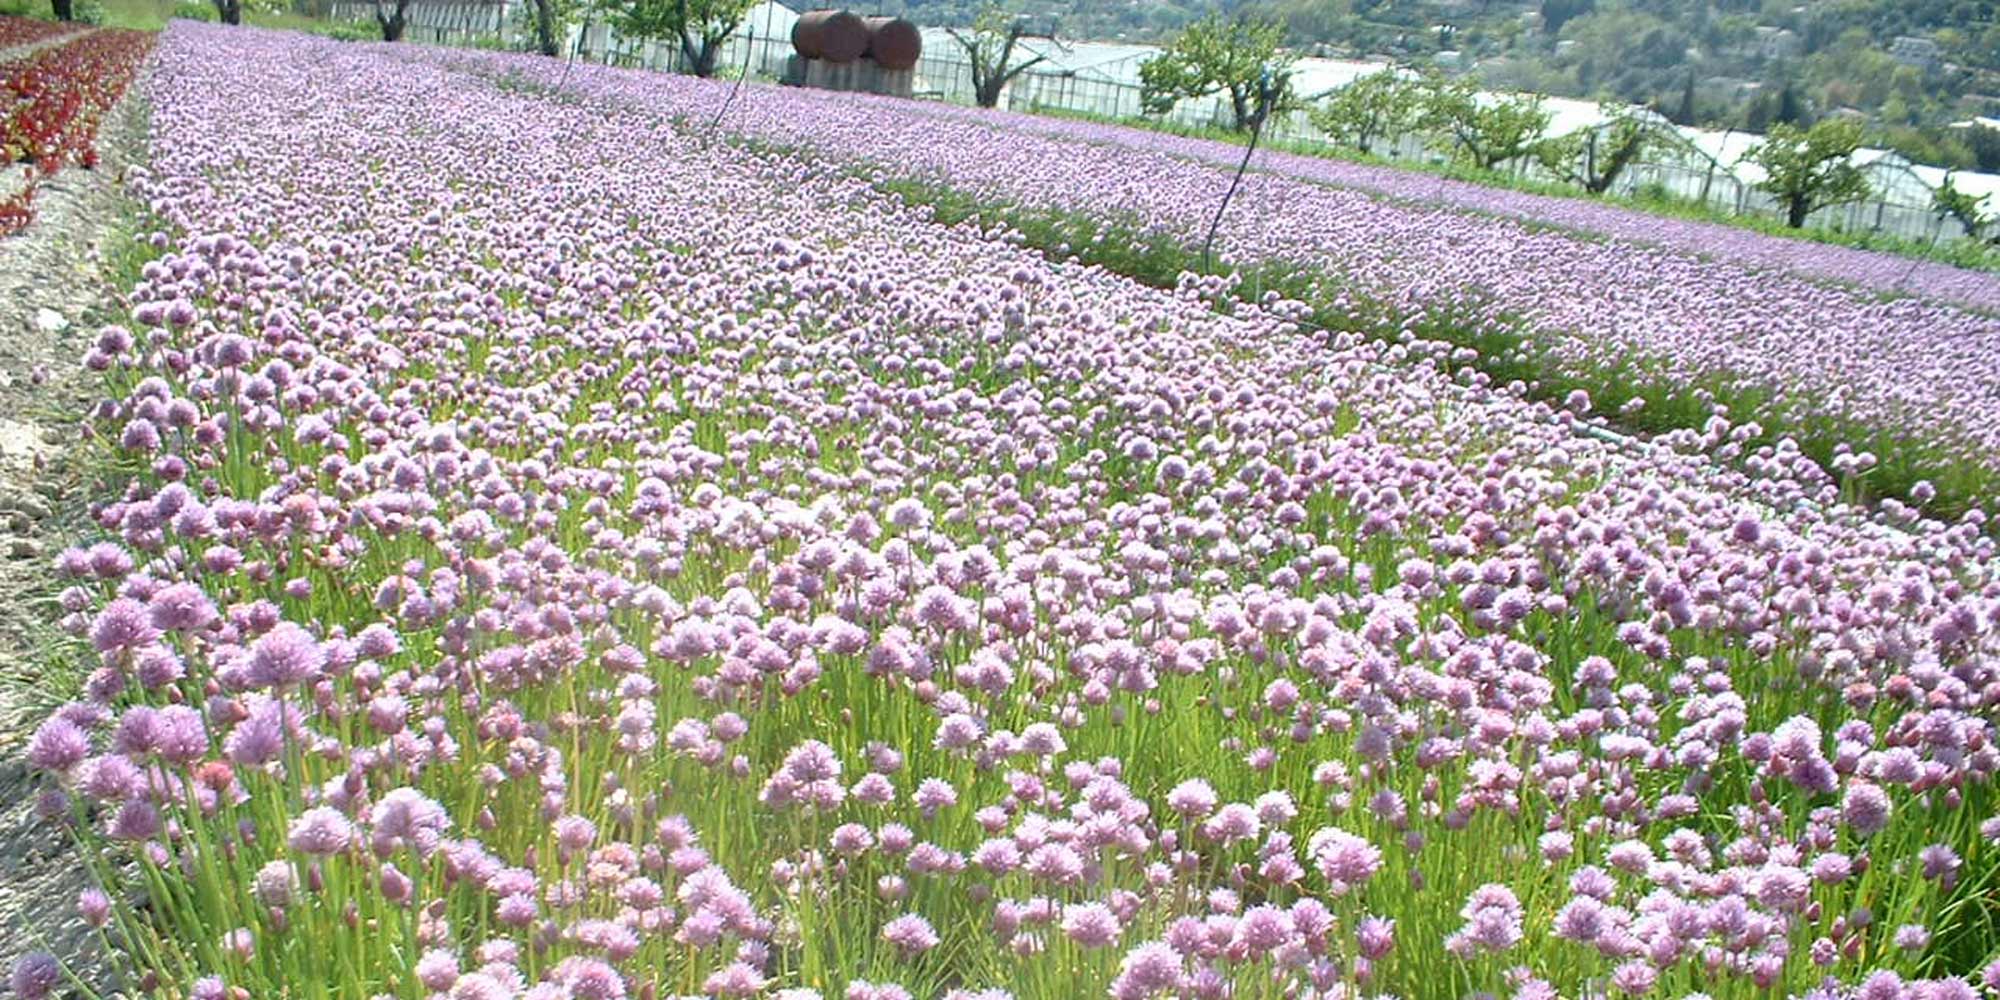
<point>1951,203</point>
<point>1238,56</point>
<point>1375,107</point>
<point>699,26</point>
<point>1483,133</point>
<point>1593,158</point>
<point>1810,169</point>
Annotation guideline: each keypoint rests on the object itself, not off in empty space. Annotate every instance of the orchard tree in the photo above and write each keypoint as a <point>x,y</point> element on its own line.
<point>549,21</point>
<point>1373,108</point>
<point>989,47</point>
<point>1593,158</point>
<point>1951,203</point>
<point>232,11</point>
<point>1810,169</point>
<point>1483,134</point>
<point>699,27</point>
<point>393,17</point>
<point>1238,56</point>
<point>1556,13</point>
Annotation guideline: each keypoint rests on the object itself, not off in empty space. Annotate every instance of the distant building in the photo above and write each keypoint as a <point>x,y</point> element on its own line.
<point>1913,51</point>
<point>1775,44</point>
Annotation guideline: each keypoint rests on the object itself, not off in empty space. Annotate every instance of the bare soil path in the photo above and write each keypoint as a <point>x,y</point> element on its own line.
<point>55,293</point>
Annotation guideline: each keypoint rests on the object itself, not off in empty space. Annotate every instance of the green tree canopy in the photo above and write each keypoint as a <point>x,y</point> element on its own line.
<point>1373,108</point>
<point>1810,169</point>
<point>1593,158</point>
<point>1485,134</point>
<point>1236,55</point>
<point>698,26</point>
<point>1970,211</point>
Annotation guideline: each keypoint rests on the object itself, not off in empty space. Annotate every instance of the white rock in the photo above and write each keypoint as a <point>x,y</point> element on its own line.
<point>49,321</point>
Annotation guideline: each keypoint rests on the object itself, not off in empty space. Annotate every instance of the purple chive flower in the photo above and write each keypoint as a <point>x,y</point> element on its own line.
<point>1148,969</point>
<point>124,626</point>
<point>1091,925</point>
<point>1346,861</point>
<point>276,884</point>
<point>1192,798</point>
<point>910,933</point>
<point>286,656</point>
<point>35,975</point>
<point>58,745</point>
<point>1865,807</point>
<point>180,607</point>
<point>94,906</point>
<point>1375,937</point>
<point>321,831</point>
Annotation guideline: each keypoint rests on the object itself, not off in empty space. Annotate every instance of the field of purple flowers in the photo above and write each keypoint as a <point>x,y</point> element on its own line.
<point>1884,370</point>
<point>569,556</point>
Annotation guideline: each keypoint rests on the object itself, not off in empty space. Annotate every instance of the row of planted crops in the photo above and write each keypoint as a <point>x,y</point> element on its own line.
<point>53,98</point>
<point>1880,368</point>
<point>579,546</point>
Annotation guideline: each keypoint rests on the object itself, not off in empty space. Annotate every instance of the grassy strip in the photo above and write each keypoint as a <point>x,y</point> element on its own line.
<point>1958,252</point>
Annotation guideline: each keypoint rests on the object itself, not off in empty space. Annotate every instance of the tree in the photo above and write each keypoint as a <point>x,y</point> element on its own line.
<point>1485,135</point>
<point>990,49</point>
<point>65,10</point>
<point>1556,13</point>
<point>1810,169</point>
<point>1375,107</point>
<point>1686,114</point>
<point>549,17</point>
<point>1592,158</point>
<point>229,11</point>
<point>393,16</point>
<point>1951,203</point>
<point>700,27</point>
<point>1238,56</point>
<point>1985,145</point>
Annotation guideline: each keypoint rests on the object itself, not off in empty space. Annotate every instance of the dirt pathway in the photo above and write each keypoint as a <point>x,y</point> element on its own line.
<point>54,295</point>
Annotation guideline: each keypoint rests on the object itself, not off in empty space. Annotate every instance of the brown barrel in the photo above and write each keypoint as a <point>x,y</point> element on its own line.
<point>832,35</point>
<point>894,43</point>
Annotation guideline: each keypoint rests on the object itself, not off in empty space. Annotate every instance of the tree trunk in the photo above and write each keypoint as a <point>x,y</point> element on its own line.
<point>987,91</point>
<point>230,11</point>
<point>545,28</point>
<point>393,24</point>
<point>65,10</point>
<point>1796,210</point>
<point>1239,103</point>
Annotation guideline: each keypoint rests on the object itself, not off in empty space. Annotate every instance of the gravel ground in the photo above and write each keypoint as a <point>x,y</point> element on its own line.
<point>54,294</point>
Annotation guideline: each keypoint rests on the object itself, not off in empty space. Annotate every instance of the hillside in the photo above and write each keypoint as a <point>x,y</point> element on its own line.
<point>1910,67</point>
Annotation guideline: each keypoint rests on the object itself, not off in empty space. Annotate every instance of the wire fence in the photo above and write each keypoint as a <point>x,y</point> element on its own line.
<point>1900,203</point>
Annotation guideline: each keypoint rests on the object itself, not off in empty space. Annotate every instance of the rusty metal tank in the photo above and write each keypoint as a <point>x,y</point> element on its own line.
<point>833,35</point>
<point>894,43</point>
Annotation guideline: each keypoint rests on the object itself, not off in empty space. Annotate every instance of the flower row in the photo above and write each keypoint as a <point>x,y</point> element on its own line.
<point>1898,390</point>
<point>53,101</point>
<point>569,556</point>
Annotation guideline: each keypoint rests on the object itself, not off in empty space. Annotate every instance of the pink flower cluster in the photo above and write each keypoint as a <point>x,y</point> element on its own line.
<point>571,557</point>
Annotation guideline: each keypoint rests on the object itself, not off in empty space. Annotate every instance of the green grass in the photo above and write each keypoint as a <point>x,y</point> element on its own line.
<point>153,15</point>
